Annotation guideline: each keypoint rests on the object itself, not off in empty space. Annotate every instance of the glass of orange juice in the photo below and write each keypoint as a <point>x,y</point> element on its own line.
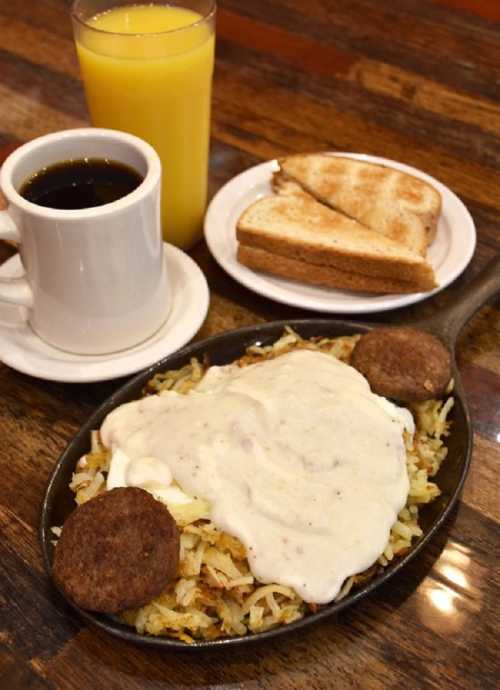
<point>147,69</point>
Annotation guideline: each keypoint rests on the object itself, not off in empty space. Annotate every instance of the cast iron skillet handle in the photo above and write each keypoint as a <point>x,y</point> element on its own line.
<point>448,322</point>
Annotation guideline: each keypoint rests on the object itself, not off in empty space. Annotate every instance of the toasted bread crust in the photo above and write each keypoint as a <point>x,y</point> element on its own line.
<point>286,187</point>
<point>398,205</point>
<point>261,260</point>
<point>323,237</point>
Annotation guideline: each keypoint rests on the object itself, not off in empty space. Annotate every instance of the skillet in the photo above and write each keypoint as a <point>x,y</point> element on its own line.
<point>226,347</point>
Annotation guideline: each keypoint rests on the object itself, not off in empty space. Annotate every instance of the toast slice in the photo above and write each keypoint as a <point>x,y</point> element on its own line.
<point>261,260</point>
<point>300,228</point>
<point>286,187</point>
<point>401,207</point>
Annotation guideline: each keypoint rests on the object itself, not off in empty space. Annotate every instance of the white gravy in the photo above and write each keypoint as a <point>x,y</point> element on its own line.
<point>298,459</point>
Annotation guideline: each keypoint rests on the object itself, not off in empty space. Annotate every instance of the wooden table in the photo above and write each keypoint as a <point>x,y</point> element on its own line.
<point>417,81</point>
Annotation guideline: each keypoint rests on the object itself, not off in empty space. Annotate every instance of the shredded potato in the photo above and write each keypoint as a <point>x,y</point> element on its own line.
<point>215,594</point>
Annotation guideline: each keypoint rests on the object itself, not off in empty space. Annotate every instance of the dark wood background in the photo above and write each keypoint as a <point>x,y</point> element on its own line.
<point>413,80</point>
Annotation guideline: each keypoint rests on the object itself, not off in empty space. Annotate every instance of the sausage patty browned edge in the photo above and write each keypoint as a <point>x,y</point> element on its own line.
<point>117,551</point>
<point>403,363</point>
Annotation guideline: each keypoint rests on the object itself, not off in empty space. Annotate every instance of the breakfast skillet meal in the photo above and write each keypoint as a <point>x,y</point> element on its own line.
<point>235,499</point>
<point>343,223</point>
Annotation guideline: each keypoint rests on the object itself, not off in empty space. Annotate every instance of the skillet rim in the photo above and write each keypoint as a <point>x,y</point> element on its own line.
<point>243,337</point>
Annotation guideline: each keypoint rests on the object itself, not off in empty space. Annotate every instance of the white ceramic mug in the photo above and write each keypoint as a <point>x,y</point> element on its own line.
<point>95,279</point>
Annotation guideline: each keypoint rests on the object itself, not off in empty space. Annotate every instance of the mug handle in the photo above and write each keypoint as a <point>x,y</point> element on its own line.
<point>13,290</point>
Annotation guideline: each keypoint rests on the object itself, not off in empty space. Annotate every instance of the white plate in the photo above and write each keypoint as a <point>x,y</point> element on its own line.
<point>449,254</point>
<point>22,349</point>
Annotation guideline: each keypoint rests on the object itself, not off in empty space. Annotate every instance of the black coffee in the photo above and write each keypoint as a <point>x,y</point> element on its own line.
<point>77,184</point>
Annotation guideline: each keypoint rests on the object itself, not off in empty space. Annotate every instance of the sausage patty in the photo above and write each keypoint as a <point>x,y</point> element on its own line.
<point>117,551</point>
<point>403,363</point>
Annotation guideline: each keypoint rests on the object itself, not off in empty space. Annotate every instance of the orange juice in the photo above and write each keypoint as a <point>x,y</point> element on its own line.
<point>147,69</point>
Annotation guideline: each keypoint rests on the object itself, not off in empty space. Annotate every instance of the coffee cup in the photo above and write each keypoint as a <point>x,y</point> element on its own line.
<point>95,278</point>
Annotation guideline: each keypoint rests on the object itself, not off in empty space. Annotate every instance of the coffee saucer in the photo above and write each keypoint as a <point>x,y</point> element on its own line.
<point>23,350</point>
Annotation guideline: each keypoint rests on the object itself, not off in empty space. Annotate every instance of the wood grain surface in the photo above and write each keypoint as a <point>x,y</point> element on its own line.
<point>414,80</point>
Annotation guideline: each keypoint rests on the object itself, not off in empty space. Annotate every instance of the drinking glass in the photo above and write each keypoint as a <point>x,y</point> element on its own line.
<point>147,69</point>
